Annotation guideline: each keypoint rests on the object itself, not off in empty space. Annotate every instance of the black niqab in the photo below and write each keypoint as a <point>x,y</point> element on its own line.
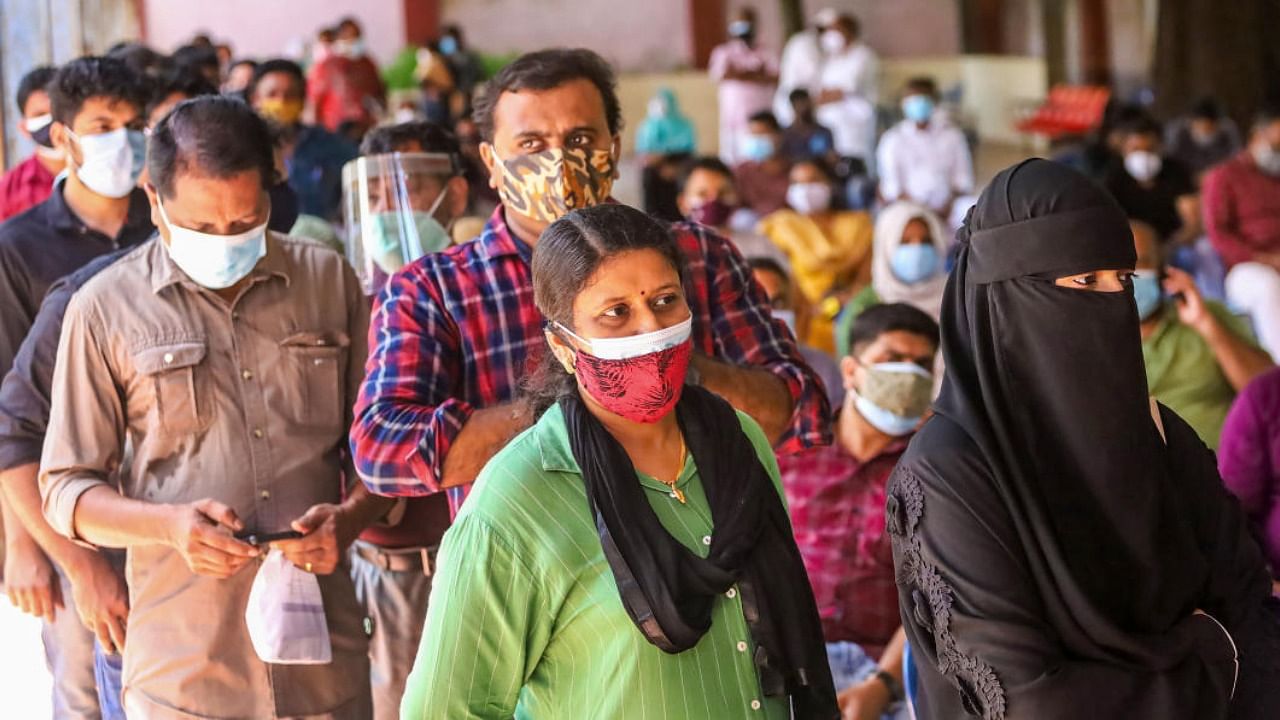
<point>1049,383</point>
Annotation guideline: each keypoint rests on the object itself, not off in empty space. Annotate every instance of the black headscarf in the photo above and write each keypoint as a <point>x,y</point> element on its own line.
<point>668,590</point>
<point>1049,383</point>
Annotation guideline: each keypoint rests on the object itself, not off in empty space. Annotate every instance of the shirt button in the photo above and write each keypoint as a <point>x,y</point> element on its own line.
<point>257,432</point>
<point>168,358</point>
<point>706,539</point>
<point>742,646</point>
<point>266,494</point>
<point>731,594</point>
<point>247,374</point>
<point>755,704</point>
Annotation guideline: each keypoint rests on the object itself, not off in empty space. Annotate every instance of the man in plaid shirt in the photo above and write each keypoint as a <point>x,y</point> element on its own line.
<point>836,497</point>
<point>453,334</point>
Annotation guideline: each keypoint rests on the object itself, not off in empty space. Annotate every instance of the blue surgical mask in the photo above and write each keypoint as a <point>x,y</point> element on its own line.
<point>448,45</point>
<point>914,263</point>
<point>1147,292</point>
<point>757,148</point>
<point>917,108</point>
<point>214,261</point>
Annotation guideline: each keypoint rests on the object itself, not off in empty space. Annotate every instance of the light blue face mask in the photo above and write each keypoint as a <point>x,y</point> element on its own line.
<point>757,148</point>
<point>394,240</point>
<point>448,45</point>
<point>1147,292</point>
<point>917,108</point>
<point>914,263</point>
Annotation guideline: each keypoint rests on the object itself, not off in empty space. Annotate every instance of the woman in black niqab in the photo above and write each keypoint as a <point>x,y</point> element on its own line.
<point>1063,545</point>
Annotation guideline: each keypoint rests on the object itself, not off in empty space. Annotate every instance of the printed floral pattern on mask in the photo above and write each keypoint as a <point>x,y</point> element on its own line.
<point>641,389</point>
<point>546,186</point>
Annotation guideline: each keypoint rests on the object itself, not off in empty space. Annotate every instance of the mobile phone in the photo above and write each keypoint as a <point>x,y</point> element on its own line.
<point>263,538</point>
<point>1177,297</point>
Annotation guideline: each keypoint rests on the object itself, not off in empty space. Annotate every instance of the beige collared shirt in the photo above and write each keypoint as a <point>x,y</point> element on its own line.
<point>247,403</point>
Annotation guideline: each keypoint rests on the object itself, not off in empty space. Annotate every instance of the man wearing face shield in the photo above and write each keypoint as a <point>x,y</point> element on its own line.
<point>30,181</point>
<point>97,110</point>
<point>228,354</point>
<point>400,198</point>
<point>454,332</point>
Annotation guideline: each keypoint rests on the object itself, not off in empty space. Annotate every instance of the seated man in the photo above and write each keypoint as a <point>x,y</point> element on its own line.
<point>1198,355</point>
<point>1203,138</point>
<point>925,158</point>
<point>836,496</point>
<point>1242,216</point>
<point>228,357</point>
<point>1153,188</point>
<point>804,138</point>
<point>706,194</point>
<point>761,174</point>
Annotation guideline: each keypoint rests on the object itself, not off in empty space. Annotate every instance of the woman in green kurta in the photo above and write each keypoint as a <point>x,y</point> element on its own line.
<point>595,571</point>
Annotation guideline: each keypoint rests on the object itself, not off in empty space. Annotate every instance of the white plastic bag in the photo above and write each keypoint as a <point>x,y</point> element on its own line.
<point>285,615</point>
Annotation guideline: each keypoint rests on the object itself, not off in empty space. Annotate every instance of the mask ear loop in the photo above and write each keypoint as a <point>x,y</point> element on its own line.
<point>559,330</point>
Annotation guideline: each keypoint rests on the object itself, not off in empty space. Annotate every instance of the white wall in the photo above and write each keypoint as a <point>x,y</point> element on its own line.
<point>635,35</point>
<point>267,28</point>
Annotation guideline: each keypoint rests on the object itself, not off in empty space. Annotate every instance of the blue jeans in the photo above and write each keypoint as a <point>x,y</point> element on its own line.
<point>106,670</point>
<point>850,665</point>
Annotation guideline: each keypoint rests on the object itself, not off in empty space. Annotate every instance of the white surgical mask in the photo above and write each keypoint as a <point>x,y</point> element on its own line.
<point>214,261</point>
<point>1142,165</point>
<point>111,162</point>
<point>623,348</point>
<point>832,41</point>
<point>809,198</point>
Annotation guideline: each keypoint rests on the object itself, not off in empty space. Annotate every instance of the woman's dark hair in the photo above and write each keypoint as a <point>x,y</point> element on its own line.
<point>218,135</point>
<point>567,254</point>
<point>90,77</point>
<point>710,163</point>
<point>547,69</point>
<point>891,317</point>
<point>278,65</point>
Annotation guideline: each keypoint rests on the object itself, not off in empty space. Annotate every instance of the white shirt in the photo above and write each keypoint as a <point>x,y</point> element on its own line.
<point>929,164</point>
<point>801,64</point>
<point>855,72</point>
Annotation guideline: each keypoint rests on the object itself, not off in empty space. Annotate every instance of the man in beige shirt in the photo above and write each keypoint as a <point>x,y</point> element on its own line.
<point>228,357</point>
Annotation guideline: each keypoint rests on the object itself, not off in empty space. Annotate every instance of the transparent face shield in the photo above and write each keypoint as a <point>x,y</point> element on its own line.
<point>395,208</point>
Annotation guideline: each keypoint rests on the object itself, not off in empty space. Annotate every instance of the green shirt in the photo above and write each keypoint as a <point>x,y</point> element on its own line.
<point>1183,373</point>
<point>525,618</point>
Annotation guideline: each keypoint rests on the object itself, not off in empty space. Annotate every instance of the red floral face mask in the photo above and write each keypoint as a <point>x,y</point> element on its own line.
<point>642,388</point>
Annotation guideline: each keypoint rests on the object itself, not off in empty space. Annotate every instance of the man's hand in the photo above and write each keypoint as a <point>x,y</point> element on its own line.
<point>101,599</point>
<point>1192,310</point>
<point>326,534</point>
<point>30,579</point>
<point>202,532</point>
<point>865,701</point>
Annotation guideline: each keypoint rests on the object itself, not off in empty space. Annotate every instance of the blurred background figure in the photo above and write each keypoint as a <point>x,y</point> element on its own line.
<point>344,87</point>
<point>925,157</point>
<point>804,138</point>
<point>31,181</point>
<point>789,306</point>
<point>664,140</point>
<point>746,75</point>
<point>239,75</point>
<point>1202,138</point>
<point>847,91</point>
<point>1153,187</point>
<point>463,62</point>
<point>761,172</point>
<point>707,195</point>
<point>801,64</point>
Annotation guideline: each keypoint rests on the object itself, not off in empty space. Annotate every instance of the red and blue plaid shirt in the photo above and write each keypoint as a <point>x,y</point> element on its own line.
<point>457,330</point>
<point>836,504</point>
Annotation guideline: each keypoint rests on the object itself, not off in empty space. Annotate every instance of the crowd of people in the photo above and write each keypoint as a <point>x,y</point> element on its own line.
<point>327,398</point>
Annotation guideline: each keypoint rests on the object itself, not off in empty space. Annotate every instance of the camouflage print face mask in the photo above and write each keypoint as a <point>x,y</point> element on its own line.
<point>546,186</point>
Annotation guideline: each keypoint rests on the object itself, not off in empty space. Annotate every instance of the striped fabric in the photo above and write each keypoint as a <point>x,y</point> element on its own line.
<point>457,330</point>
<point>525,618</point>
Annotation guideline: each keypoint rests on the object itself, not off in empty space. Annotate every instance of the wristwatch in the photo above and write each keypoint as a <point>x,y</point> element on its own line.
<point>896,692</point>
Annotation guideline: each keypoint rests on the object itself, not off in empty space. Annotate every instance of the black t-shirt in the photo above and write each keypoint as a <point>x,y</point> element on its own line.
<point>1156,205</point>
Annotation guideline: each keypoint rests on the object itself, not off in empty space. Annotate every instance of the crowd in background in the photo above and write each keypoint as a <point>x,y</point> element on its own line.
<point>813,249</point>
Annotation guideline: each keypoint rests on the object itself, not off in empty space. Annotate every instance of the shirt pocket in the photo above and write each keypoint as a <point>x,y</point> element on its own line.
<point>316,371</point>
<point>182,404</point>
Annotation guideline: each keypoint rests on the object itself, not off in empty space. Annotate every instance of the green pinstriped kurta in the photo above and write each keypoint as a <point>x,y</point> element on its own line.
<point>525,618</point>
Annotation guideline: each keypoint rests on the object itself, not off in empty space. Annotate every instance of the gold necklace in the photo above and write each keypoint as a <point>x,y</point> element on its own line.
<point>676,492</point>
